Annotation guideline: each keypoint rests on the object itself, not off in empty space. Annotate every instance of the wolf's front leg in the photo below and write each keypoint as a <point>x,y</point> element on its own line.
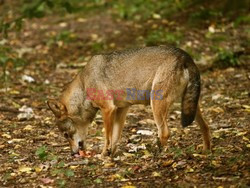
<point>117,128</point>
<point>108,115</point>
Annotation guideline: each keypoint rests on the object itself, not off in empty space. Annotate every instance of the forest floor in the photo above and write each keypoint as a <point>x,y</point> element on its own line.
<point>34,154</point>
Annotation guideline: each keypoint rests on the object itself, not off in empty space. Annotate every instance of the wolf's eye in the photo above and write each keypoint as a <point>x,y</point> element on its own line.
<point>66,135</point>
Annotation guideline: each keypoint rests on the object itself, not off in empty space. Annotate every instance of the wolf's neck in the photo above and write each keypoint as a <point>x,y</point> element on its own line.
<point>74,98</point>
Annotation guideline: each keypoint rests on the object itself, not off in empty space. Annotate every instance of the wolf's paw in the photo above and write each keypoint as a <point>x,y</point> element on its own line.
<point>105,153</point>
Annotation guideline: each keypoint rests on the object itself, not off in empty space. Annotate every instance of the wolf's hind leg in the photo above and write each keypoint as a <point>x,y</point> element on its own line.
<point>160,112</point>
<point>171,88</point>
<point>204,129</point>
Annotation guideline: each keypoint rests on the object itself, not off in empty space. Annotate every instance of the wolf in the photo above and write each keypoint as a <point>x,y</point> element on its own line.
<point>167,69</point>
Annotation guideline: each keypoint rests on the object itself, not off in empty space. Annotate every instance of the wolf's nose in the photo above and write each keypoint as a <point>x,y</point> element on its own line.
<point>80,144</point>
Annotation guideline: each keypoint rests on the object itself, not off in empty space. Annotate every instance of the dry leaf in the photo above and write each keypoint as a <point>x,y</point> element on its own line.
<point>25,169</point>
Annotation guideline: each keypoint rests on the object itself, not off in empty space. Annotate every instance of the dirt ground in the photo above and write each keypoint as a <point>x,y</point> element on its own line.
<point>34,154</point>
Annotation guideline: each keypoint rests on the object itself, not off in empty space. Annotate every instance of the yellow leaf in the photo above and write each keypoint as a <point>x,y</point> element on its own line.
<point>116,176</point>
<point>216,163</point>
<point>94,36</point>
<point>128,186</point>
<point>25,169</point>
<point>167,163</point>
<point>17,146</point>
<point>38,169</point>
<point>108,165</point>
<point>216,134</point>
<point>6,135</point>
<point>241,133</point>
<point>174,165</point>
<point>190,170</point>
<point>128,154</point>
<point>156,174</point>
<point>199,155</point>
<point>147,154</point>
<point>246,106</point>
<point>28,128</point>
<point>17,140</point>
<point>112,45</point>
<point>218,110</point>
<point>73,167</point>
<point>156,16</point>
<point>245,138</point>
<point>15,92</point>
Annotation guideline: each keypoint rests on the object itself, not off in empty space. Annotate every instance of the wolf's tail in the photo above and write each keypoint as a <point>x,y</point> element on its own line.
<point>191,95</point>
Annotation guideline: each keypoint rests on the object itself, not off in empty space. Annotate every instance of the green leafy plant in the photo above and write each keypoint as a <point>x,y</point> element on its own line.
<point>241,20</point>
<point>61,183</point>
<point>42,153</point>
<point>177,152</point>
<point>34,9</point>
<point>64,36</point>
<point>145,9</point>
<point>9,61</point>
<point>226,58</point>
<point>97,46</point>
<point>160,36</point>
<point>203,14</point>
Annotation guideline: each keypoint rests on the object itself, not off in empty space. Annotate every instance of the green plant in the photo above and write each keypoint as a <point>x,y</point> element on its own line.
<point>97,46</point>
<point>42,153</point>
<point>64,36</point>
<point>98,180</point>
<point>177,152</point>
<point>226,58</point>
<point>193,52</point>
<point>33,9</point>
<point>241,20</point>
<point>160,36</point>
<point>203,14</point>
<point>61,183</point>
<point>145,9</point>
<point>9,61</point>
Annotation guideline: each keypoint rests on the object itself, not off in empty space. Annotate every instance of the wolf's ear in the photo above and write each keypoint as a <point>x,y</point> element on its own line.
<point>57,108</point>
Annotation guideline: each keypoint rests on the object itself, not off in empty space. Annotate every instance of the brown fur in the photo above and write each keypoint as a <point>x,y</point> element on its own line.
<point>164,68</point>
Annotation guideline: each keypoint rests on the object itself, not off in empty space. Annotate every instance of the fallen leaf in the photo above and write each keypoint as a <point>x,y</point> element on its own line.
<point>216,163</point>
<point>156,16</point>
<point>73,167</point>
<point>38,169</point>
<point>245,138</point>
<point>47,180</point>
<point>128,154</point>
<point>86,154</point>
<point>145,132</point>
<point>28,128</point>
<point>167,163</point>
<point>189,170</point>
<point>199,155</point>
<point>109,165</point>
<point>25,169</point>
<point>28,79</point>
<point>147,154</point>
<point>156,174</point>
<point>246,106</point>
<point>6,135</point>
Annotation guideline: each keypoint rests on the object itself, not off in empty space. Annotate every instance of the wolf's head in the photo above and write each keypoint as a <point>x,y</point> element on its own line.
<point>73,128</point>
